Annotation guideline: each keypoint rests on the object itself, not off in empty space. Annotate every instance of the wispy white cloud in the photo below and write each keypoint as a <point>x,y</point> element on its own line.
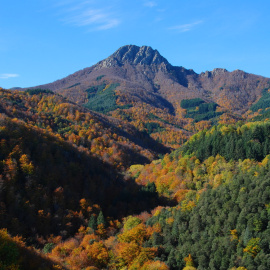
<point>97,18</point>
<point>84,14</point>
<point>185,27</point>
<point>109,24</point>
<point>8,75</point>
<point>150,4</point>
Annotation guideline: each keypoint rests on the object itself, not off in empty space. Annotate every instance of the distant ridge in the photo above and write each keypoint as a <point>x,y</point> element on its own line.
<point>143,75</point>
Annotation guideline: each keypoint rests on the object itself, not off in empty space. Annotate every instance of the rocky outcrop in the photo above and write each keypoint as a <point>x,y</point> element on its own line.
<point>134,55</point>
<point>214,72</point>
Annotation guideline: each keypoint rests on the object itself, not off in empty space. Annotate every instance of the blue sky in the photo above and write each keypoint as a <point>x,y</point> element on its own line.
<point>45,40</point>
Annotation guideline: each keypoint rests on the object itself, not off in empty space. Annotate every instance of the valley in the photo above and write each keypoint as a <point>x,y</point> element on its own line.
<point>134,163</point>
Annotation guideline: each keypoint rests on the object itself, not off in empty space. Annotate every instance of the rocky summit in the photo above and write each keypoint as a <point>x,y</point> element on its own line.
<point>131,54</point>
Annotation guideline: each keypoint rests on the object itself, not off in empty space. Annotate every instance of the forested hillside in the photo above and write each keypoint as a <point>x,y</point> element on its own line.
<point>221,220</point>
<point>48,186</point>
<point>136,164</point>
<point>231,141</point>
<point>140,87</point>
<point>111,140</point>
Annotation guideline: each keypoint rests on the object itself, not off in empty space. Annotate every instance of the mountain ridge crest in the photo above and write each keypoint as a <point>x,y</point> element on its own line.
<point>134,55</point>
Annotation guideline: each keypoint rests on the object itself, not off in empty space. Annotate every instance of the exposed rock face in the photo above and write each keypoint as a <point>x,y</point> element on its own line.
<point>214,72</point>
<point>219,71</point>
<point>134,55</point>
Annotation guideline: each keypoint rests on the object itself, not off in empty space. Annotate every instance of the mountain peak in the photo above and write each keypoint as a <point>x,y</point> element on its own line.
<point>214,72</point>
<point>134,55</point>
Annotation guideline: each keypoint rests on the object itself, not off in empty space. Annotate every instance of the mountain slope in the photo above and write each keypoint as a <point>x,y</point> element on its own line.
<point>105,137</point>
<point>221,221</point>
<point>50,186</point>
<point>143,74</point>
<point>140,87</point>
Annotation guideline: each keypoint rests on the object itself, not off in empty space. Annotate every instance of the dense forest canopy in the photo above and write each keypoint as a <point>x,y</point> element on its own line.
<point>95,183</point>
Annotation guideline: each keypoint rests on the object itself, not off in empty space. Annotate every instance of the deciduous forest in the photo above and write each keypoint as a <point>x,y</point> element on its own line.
<point>114,174</point>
